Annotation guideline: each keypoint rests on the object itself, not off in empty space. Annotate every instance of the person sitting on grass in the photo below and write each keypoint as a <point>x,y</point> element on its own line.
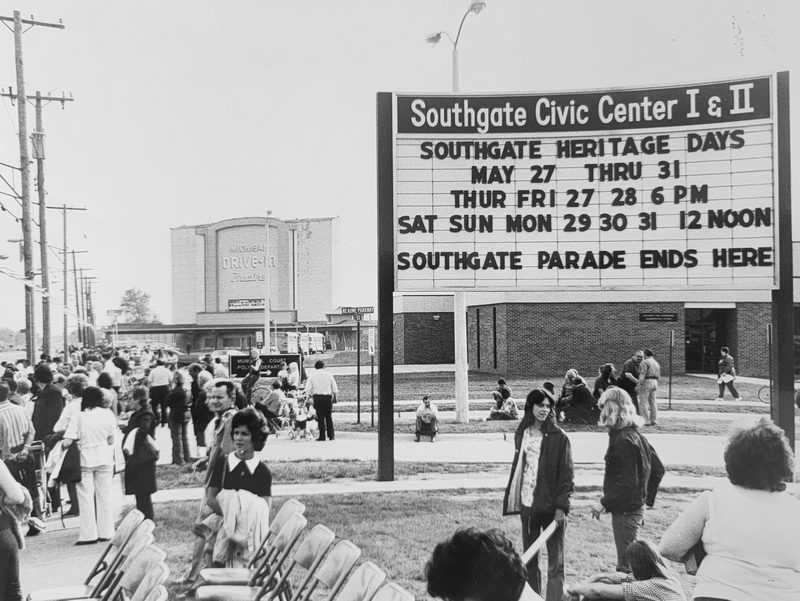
<point>651,579</point>
<point>427,419</point>
<point>477,565</point>
<point>577,404</point>
<point>505,407</point>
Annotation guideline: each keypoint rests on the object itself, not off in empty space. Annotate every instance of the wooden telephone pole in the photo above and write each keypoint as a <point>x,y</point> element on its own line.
<point>27,241</point>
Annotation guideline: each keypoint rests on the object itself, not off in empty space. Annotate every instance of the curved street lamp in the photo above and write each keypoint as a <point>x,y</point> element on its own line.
<point>475,7</point>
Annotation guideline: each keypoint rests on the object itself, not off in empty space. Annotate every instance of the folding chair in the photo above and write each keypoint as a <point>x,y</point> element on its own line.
<point>309,555</point>
<point>154,578</point>
<point>265,574</point>
<point>392,592</point>
<point>133,573</point>
<point>288,529</point>
<point>289,507</point>
<point>131,535</point>
<point>158,594</point>
<point>363,583</point>
<point>332,572</point>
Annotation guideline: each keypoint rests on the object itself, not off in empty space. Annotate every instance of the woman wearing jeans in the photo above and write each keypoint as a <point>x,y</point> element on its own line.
<point>633,471</point>
<point>179,405</point>
<point>93,431</point>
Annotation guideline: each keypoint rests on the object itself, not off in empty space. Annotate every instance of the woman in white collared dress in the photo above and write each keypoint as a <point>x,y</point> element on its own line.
<point>93,431</point>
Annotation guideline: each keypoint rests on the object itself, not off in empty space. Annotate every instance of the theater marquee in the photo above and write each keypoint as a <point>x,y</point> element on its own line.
<point>668,187</point>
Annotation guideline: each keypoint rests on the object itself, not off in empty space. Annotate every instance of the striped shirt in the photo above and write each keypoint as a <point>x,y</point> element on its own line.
<point>16,428</point>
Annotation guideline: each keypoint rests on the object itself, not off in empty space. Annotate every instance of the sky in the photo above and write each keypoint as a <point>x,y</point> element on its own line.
<point>189,112</point>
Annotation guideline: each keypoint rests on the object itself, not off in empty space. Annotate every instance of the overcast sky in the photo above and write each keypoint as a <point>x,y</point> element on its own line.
<point>189,112</point>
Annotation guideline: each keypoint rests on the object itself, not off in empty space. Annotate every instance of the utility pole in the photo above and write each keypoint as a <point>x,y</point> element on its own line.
<point>64,209</point>
<point>37,142</point>
<point>77,298</point>
<point>30,332</point>
<point>82,305</point>
<point>88,311</point>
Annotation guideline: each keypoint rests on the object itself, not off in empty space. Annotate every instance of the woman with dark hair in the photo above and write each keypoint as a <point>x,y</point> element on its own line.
<point>633,471</point>
<point>495,570</point>
<point>110,396</point>
<point>539,487</point>
<point>576,404</point>
<point>606,377</point>
<point>748,527</point>
<point>241,470</point>
<point>47,407</point>
<point>141,453</point>
<point>653,579</point>
<point>93,430</point>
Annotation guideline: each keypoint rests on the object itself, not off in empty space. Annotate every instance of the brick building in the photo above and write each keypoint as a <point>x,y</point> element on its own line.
<point>518,334</point>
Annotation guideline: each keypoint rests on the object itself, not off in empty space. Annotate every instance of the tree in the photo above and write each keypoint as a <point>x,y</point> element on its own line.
<point>135,306</point>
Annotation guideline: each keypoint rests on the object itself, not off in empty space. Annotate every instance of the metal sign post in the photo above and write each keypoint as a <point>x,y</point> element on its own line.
<point>671,347</point>
<point>357,314</point>
<point>371,347</point>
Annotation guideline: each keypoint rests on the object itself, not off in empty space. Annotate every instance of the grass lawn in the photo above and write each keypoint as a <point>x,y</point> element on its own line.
<point>399,530</point>
<point>441,385</point>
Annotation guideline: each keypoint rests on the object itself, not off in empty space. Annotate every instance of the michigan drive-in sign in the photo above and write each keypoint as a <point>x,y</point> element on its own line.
<point>665,187</point>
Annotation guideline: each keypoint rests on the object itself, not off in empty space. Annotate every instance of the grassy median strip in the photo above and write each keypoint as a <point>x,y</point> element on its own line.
<point>399,530</point>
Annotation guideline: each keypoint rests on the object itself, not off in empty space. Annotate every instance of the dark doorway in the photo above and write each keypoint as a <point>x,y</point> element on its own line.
<point>707,330</point>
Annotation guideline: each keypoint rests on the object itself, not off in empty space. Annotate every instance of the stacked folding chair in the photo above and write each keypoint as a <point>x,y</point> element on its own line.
<point>131,531</point>
<point>363,583</point>
<point>332,572</point>
<point>266,556</point>
<point>392,591</point>
<point>308,555</point>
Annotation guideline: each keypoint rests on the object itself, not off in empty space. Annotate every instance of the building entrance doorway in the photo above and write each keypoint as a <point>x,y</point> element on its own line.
<point>707,330</point>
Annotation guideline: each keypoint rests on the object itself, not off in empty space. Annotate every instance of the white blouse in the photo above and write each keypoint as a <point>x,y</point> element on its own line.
<point>92,430</point>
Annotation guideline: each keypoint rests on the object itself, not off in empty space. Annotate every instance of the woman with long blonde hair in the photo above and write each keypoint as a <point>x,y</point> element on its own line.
<point>633,471</point>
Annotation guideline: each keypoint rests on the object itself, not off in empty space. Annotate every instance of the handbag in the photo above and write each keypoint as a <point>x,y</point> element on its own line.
<point>70,472</point>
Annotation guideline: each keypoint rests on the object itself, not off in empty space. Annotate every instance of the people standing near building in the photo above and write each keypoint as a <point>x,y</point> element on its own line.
<point>629,378</point>
<point>48,404</point>
<point>93,432</point>
<point>649,374</point>
<point>141,454</point>
<point>321,386</point>
<point>76,384</point>
<point>220,371</point>
<point>253,373</point>
<point>606,377</point>
<point>726,374</point>
<point>220,402</point>
<point>180,413</point>
<point>201,414</point>
<point>539,487</point>
<point>159,379</point>
<point>633,471</point>
<point>110,367</point>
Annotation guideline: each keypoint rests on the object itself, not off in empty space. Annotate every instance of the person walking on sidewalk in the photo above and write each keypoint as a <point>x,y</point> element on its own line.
<point>322,388</point>
<point>726,373</point>
<point>649,374</point>
<point>158,379</point>
<point>539,487</point>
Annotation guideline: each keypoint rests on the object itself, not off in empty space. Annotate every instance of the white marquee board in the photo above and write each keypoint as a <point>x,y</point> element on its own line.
<point>666,187</point>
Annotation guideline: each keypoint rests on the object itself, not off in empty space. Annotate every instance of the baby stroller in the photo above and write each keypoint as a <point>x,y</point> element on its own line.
<point>277,421</point>
<point>37,451</point>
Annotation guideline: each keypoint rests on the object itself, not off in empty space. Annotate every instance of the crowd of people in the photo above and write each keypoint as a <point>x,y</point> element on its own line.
<point>94,419</point>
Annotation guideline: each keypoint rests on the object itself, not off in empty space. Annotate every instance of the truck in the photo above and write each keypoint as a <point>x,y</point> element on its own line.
<point>312,342</point>
<point>286,342</point>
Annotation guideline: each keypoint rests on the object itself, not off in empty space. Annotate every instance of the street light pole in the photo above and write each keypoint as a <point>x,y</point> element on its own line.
<point>459,298</point>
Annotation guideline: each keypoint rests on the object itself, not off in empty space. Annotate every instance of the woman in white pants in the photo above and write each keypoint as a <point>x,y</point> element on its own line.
<point>93,432</point>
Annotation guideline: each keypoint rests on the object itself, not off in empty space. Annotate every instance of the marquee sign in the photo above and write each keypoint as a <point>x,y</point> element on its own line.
<point>667,187</point>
